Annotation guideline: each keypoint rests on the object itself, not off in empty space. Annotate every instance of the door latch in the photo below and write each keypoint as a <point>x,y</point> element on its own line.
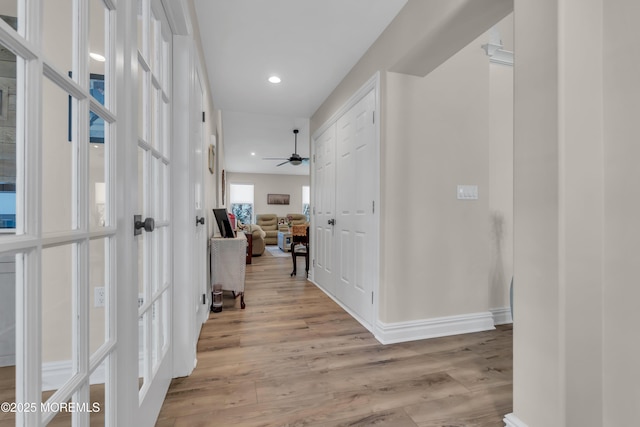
<point>199,220</point>
<point>332,221</point>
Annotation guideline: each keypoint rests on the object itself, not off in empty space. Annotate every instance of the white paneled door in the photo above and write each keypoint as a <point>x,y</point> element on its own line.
<point>324,208</point>
<point>346,176</point>
<point>355,179</point>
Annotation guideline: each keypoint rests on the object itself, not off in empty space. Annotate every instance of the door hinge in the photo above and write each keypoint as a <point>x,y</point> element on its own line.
<point>314,158</point>
<point>203,117</point>
<point>314,263</point>
<point>373,206</point>
<point>204,298</point>
<point>373,117</point>
<point>371,297</point>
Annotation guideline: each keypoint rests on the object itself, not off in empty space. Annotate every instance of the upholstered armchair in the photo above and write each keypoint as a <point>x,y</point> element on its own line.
<point>257,235</point>
<point>269,224</point>
<point>297,219</point>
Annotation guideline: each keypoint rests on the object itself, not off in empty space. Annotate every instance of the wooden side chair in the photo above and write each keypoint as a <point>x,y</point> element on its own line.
<point>300,238</point>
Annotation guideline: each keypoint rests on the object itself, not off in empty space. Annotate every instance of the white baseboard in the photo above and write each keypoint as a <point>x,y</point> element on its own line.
<point>55,374</point>
<point>501,316</point>
<point>389,333</point>
<point>511,420</point>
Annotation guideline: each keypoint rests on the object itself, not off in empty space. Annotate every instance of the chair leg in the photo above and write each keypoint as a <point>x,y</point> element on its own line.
<point>293,258</point>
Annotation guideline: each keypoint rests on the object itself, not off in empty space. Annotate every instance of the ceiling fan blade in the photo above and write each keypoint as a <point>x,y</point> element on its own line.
<point>275,158</point>
<point>283,163</point>
<point>305,160</point>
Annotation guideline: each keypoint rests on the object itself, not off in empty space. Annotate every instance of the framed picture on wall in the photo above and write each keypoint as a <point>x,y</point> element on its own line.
<point>277,199</point>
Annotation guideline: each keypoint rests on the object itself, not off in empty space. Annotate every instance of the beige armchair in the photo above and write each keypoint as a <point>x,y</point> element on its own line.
<point>297,219</point>
<point>257,237</point>
<point>269,224</point>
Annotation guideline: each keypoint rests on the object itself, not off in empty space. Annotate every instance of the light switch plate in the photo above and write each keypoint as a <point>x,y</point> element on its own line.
<point>467,192</point>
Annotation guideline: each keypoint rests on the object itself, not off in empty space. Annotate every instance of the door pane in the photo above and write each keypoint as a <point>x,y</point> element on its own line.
<point>57,155</point>
<point>142,348</point>
<point>98,392</point>
<point>98,32</point>
<point>58,307</point>
<point>9,13</point>
<point>98,291</point>
<point>7,334</point>
<point>9,186</point>
<point>142,93</point>
<point>57,34</point>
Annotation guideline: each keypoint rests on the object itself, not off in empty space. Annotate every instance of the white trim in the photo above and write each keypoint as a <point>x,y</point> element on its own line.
<point>178,16</point>
<point>501,316</point>
<point>511,420</point>
<point>390,333</point>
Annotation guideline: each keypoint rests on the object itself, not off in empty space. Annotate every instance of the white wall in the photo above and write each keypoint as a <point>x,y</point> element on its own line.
<point>500,182</point>
<point>559,216</point>
<point>272,184</point>
<point>436,248</point>
<point>621,373</point>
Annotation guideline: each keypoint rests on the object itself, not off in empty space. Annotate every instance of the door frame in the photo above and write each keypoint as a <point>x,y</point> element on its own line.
<point>372,84</point>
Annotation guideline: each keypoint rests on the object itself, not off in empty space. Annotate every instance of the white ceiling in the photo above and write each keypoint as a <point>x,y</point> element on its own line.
<point>310,44</point>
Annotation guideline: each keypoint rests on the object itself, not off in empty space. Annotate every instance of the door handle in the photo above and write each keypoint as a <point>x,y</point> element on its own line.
<point>199,220</point>
<point>149,224</point>
<point>332,221</point>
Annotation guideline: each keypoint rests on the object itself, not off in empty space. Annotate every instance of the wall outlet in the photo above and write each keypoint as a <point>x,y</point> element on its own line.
<point>99,296</point>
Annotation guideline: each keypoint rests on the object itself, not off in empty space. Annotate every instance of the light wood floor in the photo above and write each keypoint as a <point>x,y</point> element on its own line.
<point>295,358</point>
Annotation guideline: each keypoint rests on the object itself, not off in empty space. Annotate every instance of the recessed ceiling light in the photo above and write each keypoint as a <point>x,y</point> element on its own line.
<point>253,154</point>
<point>274,79</point>
<point>97,57</point>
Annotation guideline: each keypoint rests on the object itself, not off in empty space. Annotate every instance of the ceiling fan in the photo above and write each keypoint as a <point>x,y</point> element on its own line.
<point>295,158</point>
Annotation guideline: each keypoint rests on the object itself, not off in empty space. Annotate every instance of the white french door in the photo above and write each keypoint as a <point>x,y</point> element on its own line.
<point>58,122</point>
<point>153,223</point>
<point>346,237</point>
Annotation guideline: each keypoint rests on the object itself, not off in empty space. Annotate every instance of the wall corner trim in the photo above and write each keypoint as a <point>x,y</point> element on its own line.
<point>501,316</point>
<point>390,333</point>
<point>511,420</point>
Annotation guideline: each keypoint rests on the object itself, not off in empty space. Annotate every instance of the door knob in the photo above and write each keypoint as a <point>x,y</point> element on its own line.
<point>149,224</point>
<point>332,221</point>
<point>199,220</point>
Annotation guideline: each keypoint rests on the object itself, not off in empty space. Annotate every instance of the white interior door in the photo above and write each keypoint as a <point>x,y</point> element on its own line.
<point>199,247</point>
<point>154,248</point>
<point>346,176</point>
<point>354,207</point>
<point>324,209</point>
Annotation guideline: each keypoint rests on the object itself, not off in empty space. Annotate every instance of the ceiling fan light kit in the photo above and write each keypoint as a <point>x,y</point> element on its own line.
<point>295,158</point>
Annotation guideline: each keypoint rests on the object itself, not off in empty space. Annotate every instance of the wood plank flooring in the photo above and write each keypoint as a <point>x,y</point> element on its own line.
<point>294,358</point>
